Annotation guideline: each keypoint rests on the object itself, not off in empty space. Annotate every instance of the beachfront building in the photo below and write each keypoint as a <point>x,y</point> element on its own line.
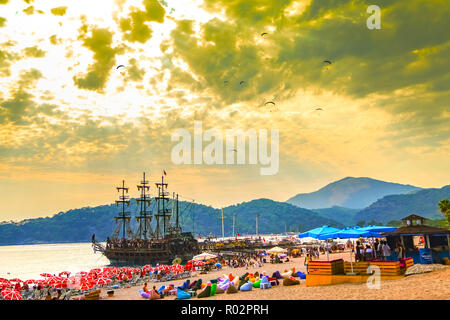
<point>425,244</point>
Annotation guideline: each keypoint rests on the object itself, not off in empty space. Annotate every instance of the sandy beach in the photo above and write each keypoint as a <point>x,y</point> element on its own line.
<point>434,285</point>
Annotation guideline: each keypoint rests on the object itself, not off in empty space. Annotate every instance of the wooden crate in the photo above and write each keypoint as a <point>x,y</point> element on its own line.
<point>386,267</point>
<point>358,267</point>
<point>407,262</point>
<point>93,295</point>
<point>326,267</point>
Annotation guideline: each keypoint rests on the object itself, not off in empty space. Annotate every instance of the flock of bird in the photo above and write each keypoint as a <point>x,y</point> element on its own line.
<point>242,81</point>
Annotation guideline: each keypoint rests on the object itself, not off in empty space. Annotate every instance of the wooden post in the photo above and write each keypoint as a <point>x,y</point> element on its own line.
<point>448,242</point>
<point>223,230</point>
<point>403,245</point>
<point>428,241</point>
<point>429,247</point>
<point>401,239</point>
<point>233,224</point>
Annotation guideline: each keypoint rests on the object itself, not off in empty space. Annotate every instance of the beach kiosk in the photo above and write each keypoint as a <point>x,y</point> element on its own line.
<point>425,244</point>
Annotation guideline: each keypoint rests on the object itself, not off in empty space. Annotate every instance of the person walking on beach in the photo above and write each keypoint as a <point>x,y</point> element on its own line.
<point>307,260</point>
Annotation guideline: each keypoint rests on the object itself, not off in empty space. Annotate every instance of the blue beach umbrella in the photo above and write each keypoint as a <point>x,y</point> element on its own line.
<point>348,233</point>
<point>315,233</point>
<point>379,229</point>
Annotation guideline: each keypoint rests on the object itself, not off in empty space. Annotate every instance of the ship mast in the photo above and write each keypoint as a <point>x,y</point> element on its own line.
<point>123,218</point>
<point>178,214</point>
<point>175,227</point>
<point>145,216</point>
<point>162,199</point>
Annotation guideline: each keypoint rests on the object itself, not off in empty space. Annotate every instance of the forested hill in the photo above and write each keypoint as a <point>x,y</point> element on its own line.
<point>394,207</point>
<point>78,225</point>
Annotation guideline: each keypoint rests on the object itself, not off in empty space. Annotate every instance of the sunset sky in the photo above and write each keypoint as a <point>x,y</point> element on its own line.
<point>73,126</point>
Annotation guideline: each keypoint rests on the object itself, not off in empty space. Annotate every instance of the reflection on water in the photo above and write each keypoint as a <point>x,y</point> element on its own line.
<point>29,261</point>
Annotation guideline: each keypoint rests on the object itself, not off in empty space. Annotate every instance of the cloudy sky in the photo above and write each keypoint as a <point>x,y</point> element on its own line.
<point>73,126</point>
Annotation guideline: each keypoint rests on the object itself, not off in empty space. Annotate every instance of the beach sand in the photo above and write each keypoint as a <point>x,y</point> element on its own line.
<point>434,286</point>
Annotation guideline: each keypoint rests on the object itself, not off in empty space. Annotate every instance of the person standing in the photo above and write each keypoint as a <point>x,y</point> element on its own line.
<point>386,250</point>
<point>376,243</point>
<point>358,256</point>
<point>307,260</point>
<point>400,250</point>
<point>368,253</point>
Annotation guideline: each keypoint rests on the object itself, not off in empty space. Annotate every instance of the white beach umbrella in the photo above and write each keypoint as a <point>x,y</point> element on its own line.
<point>276,250</point>
<point>204,256</point>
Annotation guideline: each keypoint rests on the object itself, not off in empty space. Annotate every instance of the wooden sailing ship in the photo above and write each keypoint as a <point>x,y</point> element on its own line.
<point>161,244</point>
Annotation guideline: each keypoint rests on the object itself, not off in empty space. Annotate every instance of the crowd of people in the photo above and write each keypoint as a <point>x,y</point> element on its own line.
<point>379,250</point>
<point>127,243</point>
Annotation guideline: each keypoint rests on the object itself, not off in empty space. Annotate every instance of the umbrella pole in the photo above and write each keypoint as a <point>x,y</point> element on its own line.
<point>351,259</point>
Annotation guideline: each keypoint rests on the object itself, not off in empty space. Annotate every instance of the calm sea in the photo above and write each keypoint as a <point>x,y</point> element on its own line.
<point>29,261</point>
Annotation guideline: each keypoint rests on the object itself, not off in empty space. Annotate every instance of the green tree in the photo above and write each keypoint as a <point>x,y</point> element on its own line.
<point>444,206</point>
<point>361,223</point>
<point>394,223</point>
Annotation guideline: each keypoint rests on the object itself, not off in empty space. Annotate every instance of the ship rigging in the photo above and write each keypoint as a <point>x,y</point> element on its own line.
<point>161,244</point>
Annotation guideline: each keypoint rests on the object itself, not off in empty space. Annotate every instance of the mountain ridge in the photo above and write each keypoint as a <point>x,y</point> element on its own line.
<point>394,207</point>
<point>350,192</point>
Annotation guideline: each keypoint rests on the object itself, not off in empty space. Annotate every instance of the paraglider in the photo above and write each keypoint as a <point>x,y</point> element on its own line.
<point>319,109</point>
<point>120,66</point>
<point>263,34</point>
<point>269,102</point>
<point>327,61</point>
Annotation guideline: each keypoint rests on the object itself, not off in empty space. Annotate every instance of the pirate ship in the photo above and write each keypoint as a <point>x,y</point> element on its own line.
<point>162,243</point>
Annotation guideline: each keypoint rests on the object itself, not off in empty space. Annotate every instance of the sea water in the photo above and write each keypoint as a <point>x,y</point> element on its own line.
<point>29,261</point>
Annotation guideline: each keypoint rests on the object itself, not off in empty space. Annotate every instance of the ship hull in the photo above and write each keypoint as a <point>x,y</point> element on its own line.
<point>144,257</point>
<point>162,251</point>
